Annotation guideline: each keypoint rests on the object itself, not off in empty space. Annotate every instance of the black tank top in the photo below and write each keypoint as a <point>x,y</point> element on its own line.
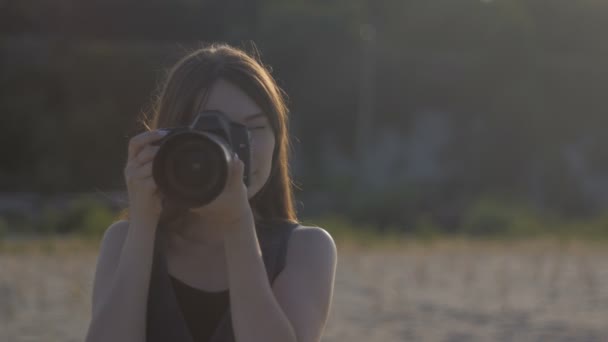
<point>173,310</point>
<point>202,310</point>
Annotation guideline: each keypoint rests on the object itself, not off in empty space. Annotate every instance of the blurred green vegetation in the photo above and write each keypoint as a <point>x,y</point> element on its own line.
<point>4,228</point>
<point>85,217</point>
<point>486,218</point>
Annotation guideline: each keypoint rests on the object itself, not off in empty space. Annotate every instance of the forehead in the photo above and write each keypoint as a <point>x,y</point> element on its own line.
<point>231,100</point>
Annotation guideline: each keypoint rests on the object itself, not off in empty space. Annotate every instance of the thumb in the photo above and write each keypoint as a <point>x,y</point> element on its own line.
<point>237,169</point>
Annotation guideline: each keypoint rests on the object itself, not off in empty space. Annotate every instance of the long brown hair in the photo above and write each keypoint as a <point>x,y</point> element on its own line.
<point>187,84</point>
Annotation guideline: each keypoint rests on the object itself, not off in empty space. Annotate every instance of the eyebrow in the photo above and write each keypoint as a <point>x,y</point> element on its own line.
<point>255,116</point>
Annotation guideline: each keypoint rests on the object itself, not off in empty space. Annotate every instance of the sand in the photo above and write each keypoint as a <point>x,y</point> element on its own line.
<point>447,291</point>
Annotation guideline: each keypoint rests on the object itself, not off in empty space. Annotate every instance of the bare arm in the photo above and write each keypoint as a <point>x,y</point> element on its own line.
<point>256,313</point>
<point>305,287</point>
<point>120,288</point>
<point>295,307</point>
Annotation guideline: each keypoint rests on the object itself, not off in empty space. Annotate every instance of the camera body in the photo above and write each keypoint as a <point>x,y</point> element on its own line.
<point>192,164</point>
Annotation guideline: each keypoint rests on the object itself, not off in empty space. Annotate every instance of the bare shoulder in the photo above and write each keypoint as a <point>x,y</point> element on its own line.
<point>109,255</point>
<point>305,287</point>
<point>115,235</point>
<point>111,244</point>
<point>314,234</point>
<point>309,241</point>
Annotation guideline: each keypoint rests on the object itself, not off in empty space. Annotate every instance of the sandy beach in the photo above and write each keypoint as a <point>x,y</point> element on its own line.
<point>445,291</point>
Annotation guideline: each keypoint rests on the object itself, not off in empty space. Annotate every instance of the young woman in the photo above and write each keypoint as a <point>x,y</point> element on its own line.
<point>218,257</point>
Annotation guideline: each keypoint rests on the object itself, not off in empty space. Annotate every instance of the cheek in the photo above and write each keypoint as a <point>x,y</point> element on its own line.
<point>261,163</point>
<point>261,155</point>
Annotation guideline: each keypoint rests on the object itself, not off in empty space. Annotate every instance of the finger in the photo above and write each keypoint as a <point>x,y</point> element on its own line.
<point>139,141</point>
<point>237,169</point>
<point>144,171</point>
<point>146,186</point>
<point>149,183</point>
<point>146,154</point>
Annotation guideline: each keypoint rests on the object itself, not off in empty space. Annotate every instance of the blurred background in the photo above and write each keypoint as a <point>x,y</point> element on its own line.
<point>464,137</point>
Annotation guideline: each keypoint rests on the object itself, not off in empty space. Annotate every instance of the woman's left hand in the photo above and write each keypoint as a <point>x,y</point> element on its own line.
<point>230,209</point>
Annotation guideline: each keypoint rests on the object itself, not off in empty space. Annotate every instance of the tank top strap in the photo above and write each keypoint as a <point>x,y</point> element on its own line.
<point>273,237</point>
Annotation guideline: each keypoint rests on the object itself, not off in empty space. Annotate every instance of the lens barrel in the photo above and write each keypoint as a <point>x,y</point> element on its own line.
<point>191,167</point>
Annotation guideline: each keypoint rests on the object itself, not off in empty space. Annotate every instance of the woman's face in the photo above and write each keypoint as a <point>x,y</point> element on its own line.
<point>232,101</point>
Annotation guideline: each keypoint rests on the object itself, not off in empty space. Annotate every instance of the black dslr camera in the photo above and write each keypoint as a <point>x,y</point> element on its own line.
<point>191,166</point>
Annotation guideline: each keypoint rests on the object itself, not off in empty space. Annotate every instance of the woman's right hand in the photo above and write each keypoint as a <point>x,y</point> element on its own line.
<point>144,199</point>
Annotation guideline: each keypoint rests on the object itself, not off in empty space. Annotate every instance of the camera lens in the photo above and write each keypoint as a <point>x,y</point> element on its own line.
<point>191,168</point>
